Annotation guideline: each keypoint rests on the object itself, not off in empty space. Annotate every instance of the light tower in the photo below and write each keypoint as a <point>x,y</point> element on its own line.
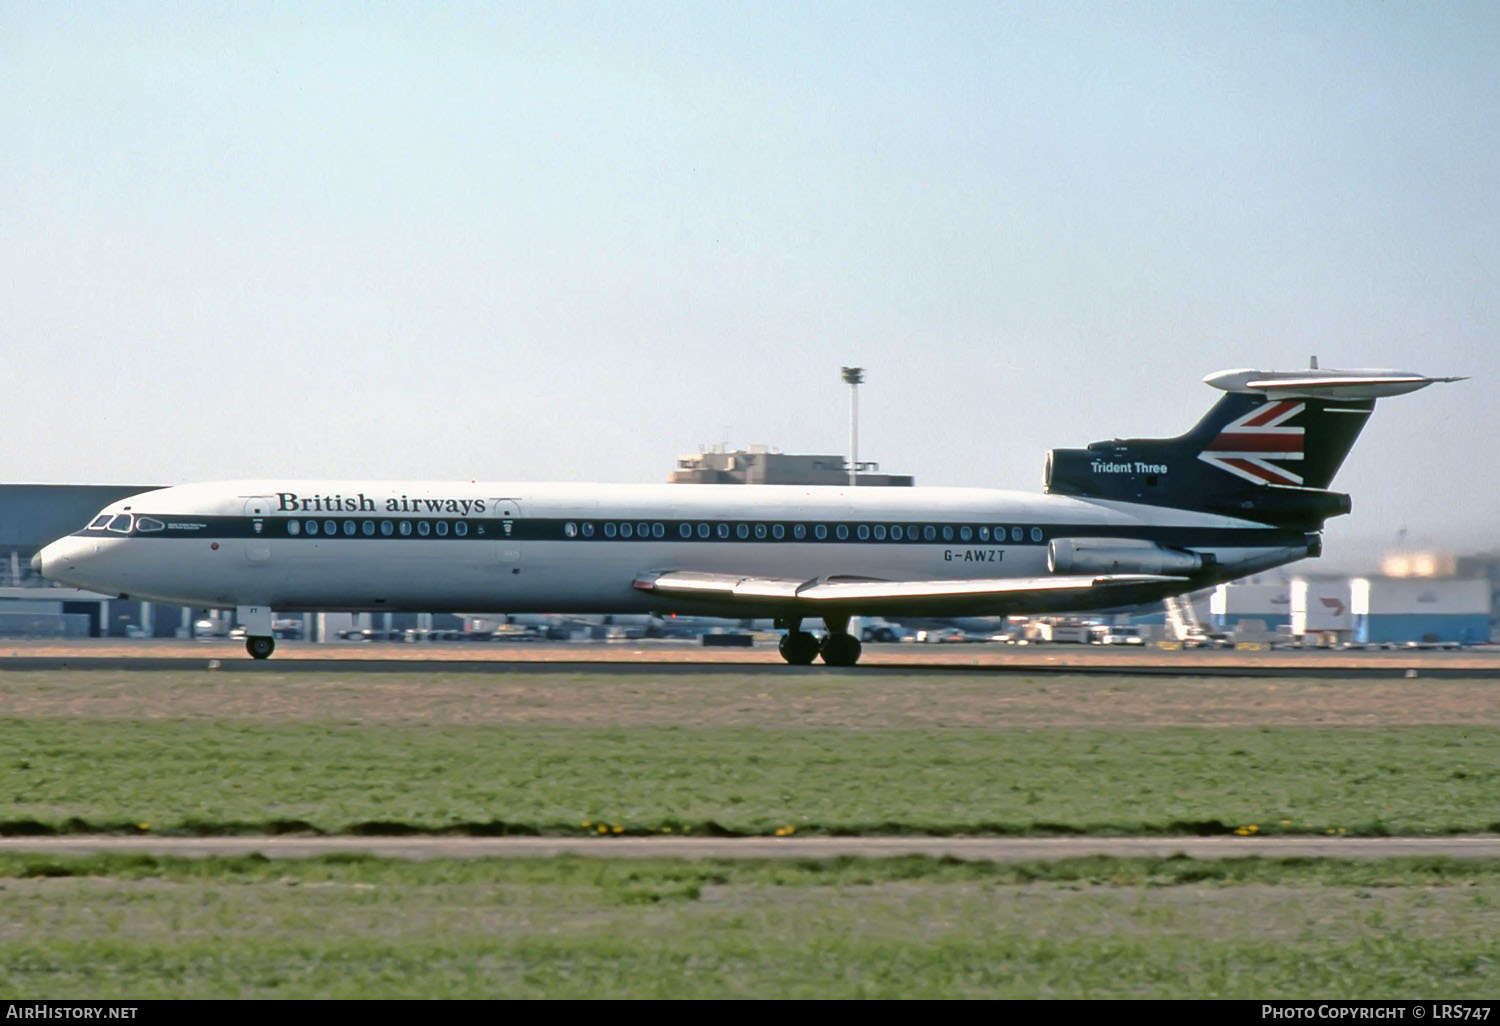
<point>853,376</point>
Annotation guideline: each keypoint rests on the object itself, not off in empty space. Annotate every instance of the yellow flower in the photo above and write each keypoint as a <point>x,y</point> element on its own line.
<point>585,824</point>
<point>617,828</point>
<point>603,829</point>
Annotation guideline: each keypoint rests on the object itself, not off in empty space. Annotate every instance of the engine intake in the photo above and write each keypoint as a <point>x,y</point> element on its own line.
<point>1119,556</point>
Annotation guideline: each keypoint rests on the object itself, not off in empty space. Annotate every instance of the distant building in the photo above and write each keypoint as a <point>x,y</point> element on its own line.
<point>761,465</point>
<point>1419,609</point>
<point>1270,604</point>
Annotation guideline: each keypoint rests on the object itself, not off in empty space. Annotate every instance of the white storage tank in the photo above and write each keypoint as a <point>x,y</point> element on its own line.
<point>1401,610</point>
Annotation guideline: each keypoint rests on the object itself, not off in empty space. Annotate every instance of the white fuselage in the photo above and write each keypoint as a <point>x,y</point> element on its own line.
<point>511,547</point>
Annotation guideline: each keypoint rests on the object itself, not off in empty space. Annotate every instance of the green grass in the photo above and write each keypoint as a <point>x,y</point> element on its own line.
<point>752,753</point>
<point>216,777</point>
<point>147,927</point>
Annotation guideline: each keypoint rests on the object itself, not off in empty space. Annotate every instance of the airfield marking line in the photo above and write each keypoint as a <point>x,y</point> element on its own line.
<point>996,849</point>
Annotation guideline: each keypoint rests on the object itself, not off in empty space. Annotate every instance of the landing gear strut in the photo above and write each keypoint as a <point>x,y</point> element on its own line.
<point>260,647</point>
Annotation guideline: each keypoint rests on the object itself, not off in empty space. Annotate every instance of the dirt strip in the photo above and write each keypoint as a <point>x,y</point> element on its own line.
<point>992,849</point>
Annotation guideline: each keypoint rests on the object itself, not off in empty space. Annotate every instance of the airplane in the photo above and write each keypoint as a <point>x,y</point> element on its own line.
<point>1121,522</point>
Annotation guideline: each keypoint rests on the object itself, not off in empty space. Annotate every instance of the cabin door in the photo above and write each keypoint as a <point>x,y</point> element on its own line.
<point>257,511</point>
<point>505,516</point>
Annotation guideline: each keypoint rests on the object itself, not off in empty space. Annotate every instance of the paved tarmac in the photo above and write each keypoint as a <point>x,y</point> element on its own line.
<point>991,849</point>
<point>672,656</point>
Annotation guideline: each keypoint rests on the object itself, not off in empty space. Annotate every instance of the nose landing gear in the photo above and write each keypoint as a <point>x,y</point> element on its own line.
<point>256,620</point>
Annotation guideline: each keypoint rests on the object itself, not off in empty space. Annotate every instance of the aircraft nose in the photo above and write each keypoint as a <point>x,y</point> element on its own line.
<point>59,560</point>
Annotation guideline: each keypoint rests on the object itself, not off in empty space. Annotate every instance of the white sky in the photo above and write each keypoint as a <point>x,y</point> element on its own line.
<point>570,241</point>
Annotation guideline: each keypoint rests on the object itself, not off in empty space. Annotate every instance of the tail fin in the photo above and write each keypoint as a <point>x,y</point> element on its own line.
<point>1267,451</point>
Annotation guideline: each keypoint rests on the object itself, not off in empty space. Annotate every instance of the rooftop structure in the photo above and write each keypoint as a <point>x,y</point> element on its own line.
<point>760,465</point>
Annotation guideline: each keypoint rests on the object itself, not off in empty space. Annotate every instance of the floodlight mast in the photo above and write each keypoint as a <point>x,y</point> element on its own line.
<point>853,376</point>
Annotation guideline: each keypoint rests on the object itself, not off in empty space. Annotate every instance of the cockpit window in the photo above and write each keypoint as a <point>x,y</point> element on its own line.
<point>121,523</point>
<point>148,524</point>
<point>100,521</point>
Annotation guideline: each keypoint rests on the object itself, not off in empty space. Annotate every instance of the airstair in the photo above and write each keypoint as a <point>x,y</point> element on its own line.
<point>1181,617</point>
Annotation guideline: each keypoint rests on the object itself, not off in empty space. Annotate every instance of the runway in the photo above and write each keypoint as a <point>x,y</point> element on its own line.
<point>985,849</point>
<point>657,656</point>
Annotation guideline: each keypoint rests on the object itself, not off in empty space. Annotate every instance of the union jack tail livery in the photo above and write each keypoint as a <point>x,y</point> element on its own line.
<point>1267,451</point>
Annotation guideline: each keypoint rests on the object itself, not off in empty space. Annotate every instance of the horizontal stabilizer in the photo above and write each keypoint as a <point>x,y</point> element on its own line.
<point>1323,384</point>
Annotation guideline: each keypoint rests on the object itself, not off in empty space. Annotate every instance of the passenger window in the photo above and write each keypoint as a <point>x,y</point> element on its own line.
<point>760,531</point>
<point>1016,534</point>
<point>643,530</point>
<point>896,532</point>
<point>658,531</point>
<point>148,524</point>
<point>588,529</point>
<point>349,528</point>
<point>99,522</point>
<point>1036,534</point>
<point>820,532</point>
<point>330,527</point>
<point>742,531</point>
<point>703,530</point>
<point>947,532</point>
<point>778,531</point>
<point>367,528</point>
<point>799,531</point>
<point>841,532</point>
<point>863,531</point>
<point>442,528</point>
<point>461,528</point>
<point>609,529</point>
<point>984,534</point>
<point>723,531</point>
<point>685,530</point>
<point>965,533</point>
<point>929,533</point>
<point>312,527</point>
<point>570,530</point>
<point>626,530</point>
<point>424,528</point>
<point>879,531</point>
<point>405,528</point>
<point>387,528</point>
<point>294,527</point>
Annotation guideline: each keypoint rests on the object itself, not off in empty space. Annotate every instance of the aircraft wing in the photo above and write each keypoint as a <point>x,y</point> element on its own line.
<point>862,594</point>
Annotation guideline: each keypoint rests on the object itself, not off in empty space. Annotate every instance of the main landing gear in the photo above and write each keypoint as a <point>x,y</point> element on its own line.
<point>798,647</point>
<point>260,648</point>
